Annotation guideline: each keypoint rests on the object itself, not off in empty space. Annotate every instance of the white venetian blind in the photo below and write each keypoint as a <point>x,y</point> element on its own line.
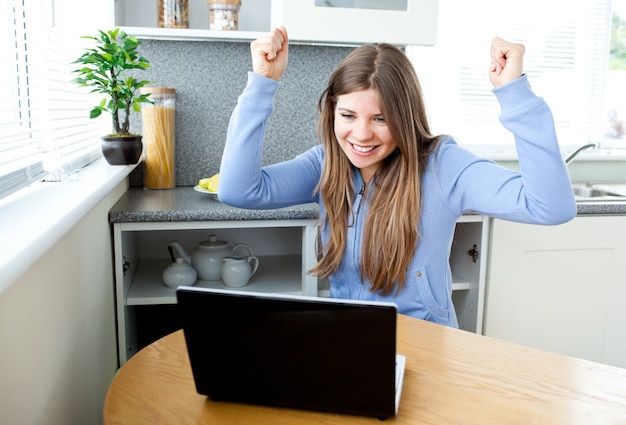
<point>567,46</point>
<point>20,162</point>
<point>45,128</point>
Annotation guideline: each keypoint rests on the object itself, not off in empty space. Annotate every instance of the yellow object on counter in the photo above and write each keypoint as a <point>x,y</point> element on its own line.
<point>210,183</point>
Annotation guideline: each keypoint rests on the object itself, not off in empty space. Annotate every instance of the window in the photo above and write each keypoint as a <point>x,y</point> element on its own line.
<point>45,128</point>
<point>567,57</point>
<point>615,98</point>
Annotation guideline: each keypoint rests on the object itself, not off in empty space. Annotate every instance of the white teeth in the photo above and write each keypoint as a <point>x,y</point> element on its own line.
<point>363,148</point>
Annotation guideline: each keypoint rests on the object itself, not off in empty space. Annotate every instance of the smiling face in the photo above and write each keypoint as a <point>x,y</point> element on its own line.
<point>362,131</point>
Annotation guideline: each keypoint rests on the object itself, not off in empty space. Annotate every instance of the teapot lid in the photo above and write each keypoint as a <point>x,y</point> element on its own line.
<point>212,242</point>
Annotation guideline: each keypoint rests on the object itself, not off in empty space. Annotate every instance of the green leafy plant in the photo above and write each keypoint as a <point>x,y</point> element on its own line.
<point>107,69</point>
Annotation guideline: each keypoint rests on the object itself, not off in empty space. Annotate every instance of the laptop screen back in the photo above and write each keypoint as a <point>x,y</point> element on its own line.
<point>299,352</point>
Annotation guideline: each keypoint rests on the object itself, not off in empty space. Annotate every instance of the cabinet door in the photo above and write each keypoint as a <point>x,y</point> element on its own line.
<point>560,288</point>
<point>358,21</point>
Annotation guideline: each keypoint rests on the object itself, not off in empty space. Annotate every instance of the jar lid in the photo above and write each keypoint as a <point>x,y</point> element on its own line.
<point>237,2</point>
<point>157,90</point>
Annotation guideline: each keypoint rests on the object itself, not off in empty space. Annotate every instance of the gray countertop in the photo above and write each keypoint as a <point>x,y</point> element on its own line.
<point>185,204</point>
<point>602,208</point>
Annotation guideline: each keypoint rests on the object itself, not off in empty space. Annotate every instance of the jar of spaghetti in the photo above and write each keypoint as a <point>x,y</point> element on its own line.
<point>224,14</point>
<point>159,138</point>
<point>173,13</point>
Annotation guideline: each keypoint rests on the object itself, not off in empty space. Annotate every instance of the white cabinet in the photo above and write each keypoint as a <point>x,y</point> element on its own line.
<point>308,21</point>
<point>468,262</point>
<point>145,222</point>
<point>412,22</point>
<point>560,288</point>
<point>285,249</point>
<point>139,17</point>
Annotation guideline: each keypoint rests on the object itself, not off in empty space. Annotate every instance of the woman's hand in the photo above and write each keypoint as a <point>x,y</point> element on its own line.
<point>269,54</point>
<point>507,61</point>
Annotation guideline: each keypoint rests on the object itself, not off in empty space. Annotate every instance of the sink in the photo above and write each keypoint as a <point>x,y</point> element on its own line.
<point>593,192</point>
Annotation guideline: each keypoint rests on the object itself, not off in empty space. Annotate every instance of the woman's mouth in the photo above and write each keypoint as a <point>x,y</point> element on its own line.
<point>363,149</point>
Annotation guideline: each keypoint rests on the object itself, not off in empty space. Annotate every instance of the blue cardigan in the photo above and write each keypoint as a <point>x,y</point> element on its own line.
<point>455,182</point>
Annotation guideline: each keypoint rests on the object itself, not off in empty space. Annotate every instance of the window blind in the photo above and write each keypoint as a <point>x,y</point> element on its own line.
<point>45,130</point>
<point>567,47</point>
<point>20,159</point>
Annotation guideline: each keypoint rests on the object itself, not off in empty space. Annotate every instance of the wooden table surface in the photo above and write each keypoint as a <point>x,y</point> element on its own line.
<point>451,377</point>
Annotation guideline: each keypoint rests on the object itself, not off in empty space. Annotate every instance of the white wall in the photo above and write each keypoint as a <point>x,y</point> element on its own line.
<point>58,349</point>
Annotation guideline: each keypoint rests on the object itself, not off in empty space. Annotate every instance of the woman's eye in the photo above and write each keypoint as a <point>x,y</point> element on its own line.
<point>347,116</point>
<point>379,120</point>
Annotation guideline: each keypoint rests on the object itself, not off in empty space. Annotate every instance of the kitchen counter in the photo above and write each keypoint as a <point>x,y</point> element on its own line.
<point>602,207</point>
<point>185,204</point>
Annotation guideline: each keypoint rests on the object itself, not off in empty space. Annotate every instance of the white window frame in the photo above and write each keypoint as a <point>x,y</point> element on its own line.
<point>45,130</point>
<point>454,75</point>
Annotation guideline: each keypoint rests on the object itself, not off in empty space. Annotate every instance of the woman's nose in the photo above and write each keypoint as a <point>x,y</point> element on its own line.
<point>362,130</point>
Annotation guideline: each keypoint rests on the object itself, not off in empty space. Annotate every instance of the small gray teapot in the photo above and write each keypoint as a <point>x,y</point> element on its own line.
<point>179,272</point>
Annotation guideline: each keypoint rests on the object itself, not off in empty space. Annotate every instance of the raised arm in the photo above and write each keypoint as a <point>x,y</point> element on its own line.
<point>243,180</point>
<point>507,61</point>
<point>541,191</point>
<point>270,53</point>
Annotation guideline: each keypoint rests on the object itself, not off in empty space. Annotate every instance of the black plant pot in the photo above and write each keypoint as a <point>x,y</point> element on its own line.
<point>119,150</point>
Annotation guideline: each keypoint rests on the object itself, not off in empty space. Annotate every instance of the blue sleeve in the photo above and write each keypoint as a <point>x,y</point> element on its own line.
<point>540,193</point>
<point>243,181</point>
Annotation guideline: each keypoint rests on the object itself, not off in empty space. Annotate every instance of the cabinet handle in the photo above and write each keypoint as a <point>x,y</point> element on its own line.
<point>473,253</point>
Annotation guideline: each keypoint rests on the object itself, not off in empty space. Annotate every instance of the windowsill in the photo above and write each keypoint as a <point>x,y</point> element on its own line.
<point>35,218</point>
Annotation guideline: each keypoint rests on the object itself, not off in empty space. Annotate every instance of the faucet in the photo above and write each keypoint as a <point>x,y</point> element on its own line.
<point>573,155</point>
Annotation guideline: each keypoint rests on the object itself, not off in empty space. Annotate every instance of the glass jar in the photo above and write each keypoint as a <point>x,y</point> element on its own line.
<point>224,14</point>
<point>159,138</point>
<point>173,13</point>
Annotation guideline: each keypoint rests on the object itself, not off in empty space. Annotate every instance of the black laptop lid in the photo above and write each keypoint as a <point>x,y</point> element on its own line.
<point>299,352</point>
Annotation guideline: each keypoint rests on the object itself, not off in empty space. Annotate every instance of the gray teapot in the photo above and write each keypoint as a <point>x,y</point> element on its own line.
<point>179,272</point>
<point>206,258</point>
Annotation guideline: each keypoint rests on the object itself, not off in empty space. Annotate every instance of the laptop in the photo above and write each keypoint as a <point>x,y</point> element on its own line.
<point>293,351</point>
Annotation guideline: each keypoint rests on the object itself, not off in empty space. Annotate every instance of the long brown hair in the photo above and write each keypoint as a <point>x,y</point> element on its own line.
<point>390,235</point>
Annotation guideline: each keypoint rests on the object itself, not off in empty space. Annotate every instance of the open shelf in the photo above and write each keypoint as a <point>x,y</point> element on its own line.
<point>191,34</point>
<point>307,22</point>
<point>459,283</point>
<point>276,274</point>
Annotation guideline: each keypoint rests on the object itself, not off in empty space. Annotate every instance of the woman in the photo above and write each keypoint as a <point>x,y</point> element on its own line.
<point>389,191</point>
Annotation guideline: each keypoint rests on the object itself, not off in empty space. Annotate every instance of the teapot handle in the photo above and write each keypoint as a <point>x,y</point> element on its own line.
<point>175,248</point>
<point>239,245</point>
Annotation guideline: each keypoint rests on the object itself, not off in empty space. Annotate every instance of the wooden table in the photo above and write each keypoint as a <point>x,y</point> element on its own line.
<point>451,377</point>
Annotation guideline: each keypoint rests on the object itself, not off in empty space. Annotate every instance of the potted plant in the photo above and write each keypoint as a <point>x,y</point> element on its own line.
<point>107,69</point>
